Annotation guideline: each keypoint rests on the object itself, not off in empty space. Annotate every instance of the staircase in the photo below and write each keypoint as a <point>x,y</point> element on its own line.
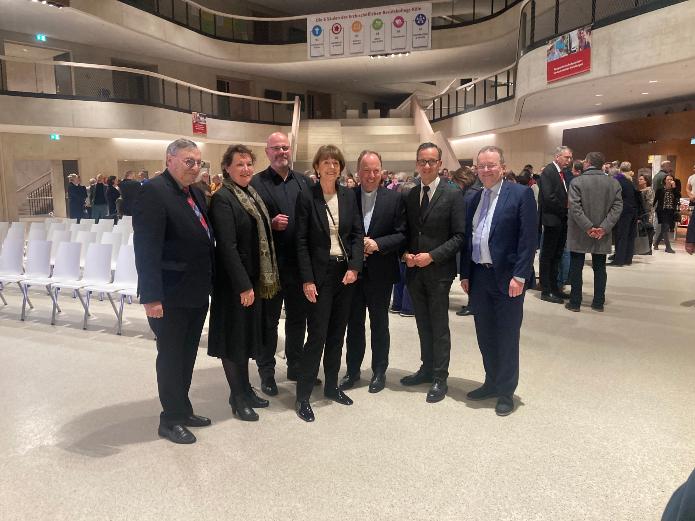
<point>394,138</point>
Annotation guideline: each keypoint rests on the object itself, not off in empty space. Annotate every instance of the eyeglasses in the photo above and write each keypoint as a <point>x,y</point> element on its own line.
<point>283,148</point>
<point>430,162</point>
<point>487,167</point>
<point>190,163</point>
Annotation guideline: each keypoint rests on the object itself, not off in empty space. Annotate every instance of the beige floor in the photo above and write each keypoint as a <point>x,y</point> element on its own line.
<point>604,430</point>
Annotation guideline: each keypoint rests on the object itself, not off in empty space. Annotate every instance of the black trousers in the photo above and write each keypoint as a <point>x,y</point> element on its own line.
<point>624,236</point>
<point>326,323</point>
<point>554,238</point>
<point>497,327</point>
<point>375,297</point>
<point>295,327</point>
<point>430,298</point>
<point>598,263</point>
<point>178,335</point>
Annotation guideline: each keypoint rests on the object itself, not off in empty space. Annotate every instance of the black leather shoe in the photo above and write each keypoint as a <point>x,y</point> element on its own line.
<point>438,390</point>
<point>177,434</point>
<point>337,396</point>
<point>562,294</point>
<point>464,312</point>
<point>548,297</point>
<point>377,383</point>
<point>304,411</point>
<point>420,377</point>
<point>572,308</point>
<point>505,406</point>
<point>269,387</point>
<point>615,264</point>
<point>597,308</point>
<point>349,380</point>
<point>241,409</point>
<point>481,393</point>
<point>197,421</point>
<point>254,400</point>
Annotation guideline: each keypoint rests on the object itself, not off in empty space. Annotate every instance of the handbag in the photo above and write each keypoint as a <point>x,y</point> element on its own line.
<point>642,245</point>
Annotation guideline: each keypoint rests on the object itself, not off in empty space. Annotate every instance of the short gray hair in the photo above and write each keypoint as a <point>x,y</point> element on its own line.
<point>180,144</point>
<point>492,148</point>
<point>364,153</point>
<point>559,150</point>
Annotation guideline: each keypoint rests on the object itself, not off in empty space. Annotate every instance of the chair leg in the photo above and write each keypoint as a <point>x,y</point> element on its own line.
<point>113,304</point>
<point>55,305</point>
<point>120,315</point>
<point>2,297</point>
<point>25,297</point>
<point>85,305</point>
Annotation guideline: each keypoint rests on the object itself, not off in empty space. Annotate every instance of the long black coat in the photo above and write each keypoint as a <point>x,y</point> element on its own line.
<point>235,331</point>
<point>77,196</point>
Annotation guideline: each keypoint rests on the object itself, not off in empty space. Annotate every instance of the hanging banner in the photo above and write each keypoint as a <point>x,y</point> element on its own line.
<point>569,54</point>
<point>200,125</point>
<point>370,31</point>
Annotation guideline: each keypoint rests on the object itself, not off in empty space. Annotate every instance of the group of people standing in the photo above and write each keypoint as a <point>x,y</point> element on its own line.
<point>330,254</point>
<point>105,197</point>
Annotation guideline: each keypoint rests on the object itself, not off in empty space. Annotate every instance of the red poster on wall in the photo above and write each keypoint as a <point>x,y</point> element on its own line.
<point>569,54</point>
<point>200,125</point>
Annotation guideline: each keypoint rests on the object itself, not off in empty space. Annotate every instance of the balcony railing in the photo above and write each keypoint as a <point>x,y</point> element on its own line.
<point>540,21</point>
<point>89,82</point>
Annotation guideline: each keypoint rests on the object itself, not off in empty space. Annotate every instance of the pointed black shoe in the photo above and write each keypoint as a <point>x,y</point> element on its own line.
<point>377,383</point>
<point>241,409</point>
<point>269,387</point>
<point>254,400</point>
<point>176,434</point>
<point>481,393</point>
<point>304,411</point>
<point>505,406</point>
<point>420,377</point>
<point>348,381</point>
<point>438,391</point>
<point>197,421</point>
<point>338,396</point>
<point>549,297</point>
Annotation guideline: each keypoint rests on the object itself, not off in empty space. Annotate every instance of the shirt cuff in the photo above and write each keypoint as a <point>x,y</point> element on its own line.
<point>520,279</point>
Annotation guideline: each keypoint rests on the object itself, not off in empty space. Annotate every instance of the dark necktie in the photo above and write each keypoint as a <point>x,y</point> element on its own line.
<point>425,200</point>
<point>196,210</point>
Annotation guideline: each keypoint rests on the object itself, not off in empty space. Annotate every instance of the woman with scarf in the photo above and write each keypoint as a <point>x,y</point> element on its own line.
<point>246,273</point>
<point>666,200</point>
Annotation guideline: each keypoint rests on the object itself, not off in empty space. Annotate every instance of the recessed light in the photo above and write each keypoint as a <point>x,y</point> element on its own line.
<point>598,95</point>
<point>653,81</point>
<point>644,93</point>
<point>598,104</point>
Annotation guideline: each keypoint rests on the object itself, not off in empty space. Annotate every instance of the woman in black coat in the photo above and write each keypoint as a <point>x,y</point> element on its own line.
<point>330,252</point>
<point>246,272</point>
<point>112,195</point>
<point>666,200</point>
<point>626,227</point>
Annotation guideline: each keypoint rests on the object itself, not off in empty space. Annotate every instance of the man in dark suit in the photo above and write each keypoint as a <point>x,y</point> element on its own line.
<point>174,255</point>
<point>383,215</point>
<point>279,186</point>
<point>496,267</point>
<point>435,217</point>
<point>552,205</point>
<point>690,236</point>
<point>129,188</point>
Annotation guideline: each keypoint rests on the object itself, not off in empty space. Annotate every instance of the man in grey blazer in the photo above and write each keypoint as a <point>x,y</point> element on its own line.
<point>435,216</point>
<point>595,204</point>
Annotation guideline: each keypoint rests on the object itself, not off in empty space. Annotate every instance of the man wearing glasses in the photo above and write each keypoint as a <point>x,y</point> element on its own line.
<point>174,256</point>
<point>496,264</point>
<point>279,185</point>
<point>435,217</point>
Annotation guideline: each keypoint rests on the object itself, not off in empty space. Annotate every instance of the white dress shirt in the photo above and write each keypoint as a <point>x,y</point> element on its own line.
<point>483,235</point>
<point>368,202</point>
<point>433,186</point>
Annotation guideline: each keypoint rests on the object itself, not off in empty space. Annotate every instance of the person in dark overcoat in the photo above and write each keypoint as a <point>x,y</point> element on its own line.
<point>246,273</point>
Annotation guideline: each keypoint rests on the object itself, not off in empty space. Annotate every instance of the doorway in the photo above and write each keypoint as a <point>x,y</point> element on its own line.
<point>319,105</point>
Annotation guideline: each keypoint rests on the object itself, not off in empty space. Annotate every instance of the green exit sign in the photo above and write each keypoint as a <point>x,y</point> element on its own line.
<point>55,137</point>
<point>40,37</point>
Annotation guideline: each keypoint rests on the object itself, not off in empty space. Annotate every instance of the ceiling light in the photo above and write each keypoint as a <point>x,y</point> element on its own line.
<point>653,81</point>
<point>598,104</point>
<point>598,95</point>
<point>644,93</point>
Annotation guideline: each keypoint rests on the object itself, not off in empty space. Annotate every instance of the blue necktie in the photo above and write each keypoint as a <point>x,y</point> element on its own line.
<point>478,235</point>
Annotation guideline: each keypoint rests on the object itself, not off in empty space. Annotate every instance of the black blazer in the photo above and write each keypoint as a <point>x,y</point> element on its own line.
<point>552,197</point>
<point>659,198</point>
<point>129,192</point>
<point>439,233</point>
<point>174,256</point>
<point>387,228</point>
<point>313,239</point>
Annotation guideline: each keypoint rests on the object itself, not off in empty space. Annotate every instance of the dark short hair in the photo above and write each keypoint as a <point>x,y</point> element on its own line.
<point>111,180</point>
<point>328,152</point>
<point>578,165</point>
<point>228,156</point>
<point>647,179</point>
<point>425,146</point>
<point>463,176</point>
<point>364,153</point>
<point>491,148</point>
<point>596,159</point>
<point>524,177</point>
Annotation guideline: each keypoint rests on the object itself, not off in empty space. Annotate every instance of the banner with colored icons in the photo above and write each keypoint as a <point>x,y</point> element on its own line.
<point>371,31</point>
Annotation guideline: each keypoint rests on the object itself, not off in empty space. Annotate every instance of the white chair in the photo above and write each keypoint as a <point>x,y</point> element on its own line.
<point>16,232</point>
<point>11,258</point>
<point>127,219</point>
<point>125,284</point>
<point>116,240</point>
<point>87,222</point>
<point>104,225</point>
<point>97,271</point>
<point>56,238</point>
<point>38,266</point>
<point>37,232</point>
<point>77,228</point>
<point>130,239</point>
<point>84,238</point>
<point>53,220</point>
<point>54,227</point>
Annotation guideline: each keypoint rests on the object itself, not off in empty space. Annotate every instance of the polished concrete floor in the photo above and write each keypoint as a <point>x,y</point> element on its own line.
<point>603,430</point>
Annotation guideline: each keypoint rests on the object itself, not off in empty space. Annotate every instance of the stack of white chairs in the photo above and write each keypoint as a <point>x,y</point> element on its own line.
<point>11,257</point>
<point>125,285</point>
<point>37,231</point>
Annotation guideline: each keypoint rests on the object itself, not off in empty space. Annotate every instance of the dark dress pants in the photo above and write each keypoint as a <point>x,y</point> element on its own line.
<point>497,327</point>
<point>624,235</point>
<point>326,323</point>
<point>178,335</point>
<point>554,238</point>
<point>295,327</point>
<point>598,263</point>
<point>430,298</point>
<point>401,297</point>
<point>372,296</point>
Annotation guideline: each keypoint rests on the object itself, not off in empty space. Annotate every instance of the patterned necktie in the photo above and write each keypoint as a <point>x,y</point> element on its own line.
<point>477,237</point>
<point>196,210</point>
<point>425,200</point>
